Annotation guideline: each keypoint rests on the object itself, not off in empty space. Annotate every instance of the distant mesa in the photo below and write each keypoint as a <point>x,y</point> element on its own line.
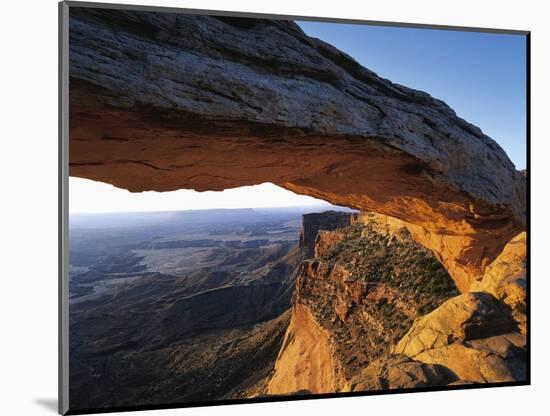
<point>314,223</point>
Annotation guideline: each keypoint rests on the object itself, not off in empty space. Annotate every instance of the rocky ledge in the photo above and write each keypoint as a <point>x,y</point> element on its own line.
<point>375,310</point>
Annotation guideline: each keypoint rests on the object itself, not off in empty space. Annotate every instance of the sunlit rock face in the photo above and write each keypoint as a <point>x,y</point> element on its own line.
<point>170,101</point>
<point>506,279</point>
<point>353,302</point>
<point>471,334</point>
<point>305,362</point>
<point>374,310</point>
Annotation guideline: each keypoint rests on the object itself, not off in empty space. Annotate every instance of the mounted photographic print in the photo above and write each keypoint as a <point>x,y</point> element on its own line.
<point>263,208</point>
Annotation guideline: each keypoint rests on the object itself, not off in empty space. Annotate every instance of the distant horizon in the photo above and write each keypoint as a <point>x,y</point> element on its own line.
<point>328,205</point>
<point>93,197</point>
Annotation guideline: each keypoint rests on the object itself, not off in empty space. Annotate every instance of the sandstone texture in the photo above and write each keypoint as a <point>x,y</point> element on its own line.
<point>360,295</point>
<point>170,101</point>
<point>374,310</point>
<point>506,278</point>
<point>400,372</point>
<point>326,241</point>
<point>305,362</point>
<point>471,334</point>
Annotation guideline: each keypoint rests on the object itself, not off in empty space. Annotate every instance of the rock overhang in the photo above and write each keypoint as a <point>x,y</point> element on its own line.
<point>165,101</point>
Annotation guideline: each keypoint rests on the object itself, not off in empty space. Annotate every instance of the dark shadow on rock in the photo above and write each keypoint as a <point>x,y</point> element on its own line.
<point>49,404</point>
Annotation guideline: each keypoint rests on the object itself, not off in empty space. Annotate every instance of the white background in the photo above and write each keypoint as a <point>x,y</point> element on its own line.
<point>28,371</point>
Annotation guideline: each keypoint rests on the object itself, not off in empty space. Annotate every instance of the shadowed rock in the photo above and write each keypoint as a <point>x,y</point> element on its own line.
<point>400,372</point>
<point>314,223</point>
<point>163,101</point>
<point>506,279</point>
<point>471,334</point>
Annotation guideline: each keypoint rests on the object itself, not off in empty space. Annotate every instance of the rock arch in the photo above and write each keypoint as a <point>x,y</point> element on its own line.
<point>170,101</point>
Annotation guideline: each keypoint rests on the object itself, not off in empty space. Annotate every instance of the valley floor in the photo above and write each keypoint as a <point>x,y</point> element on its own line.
<point>278,303</point>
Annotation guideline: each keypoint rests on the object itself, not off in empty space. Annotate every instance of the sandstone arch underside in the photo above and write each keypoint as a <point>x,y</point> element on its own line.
<point>171,101</point>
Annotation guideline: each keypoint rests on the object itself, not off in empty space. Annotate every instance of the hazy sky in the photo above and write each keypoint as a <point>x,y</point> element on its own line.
<point>481,76</point>
<point>90,196</point>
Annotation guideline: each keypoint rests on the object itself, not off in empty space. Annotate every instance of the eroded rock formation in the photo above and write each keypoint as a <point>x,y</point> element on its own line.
<point>375,310</point>
<point>305,362</point>
<point>471,334</point>
<point>400,372</point>
<point>169,101</point>
<point>353,302</point>
<point>315,223</point>
<point>506,279</point>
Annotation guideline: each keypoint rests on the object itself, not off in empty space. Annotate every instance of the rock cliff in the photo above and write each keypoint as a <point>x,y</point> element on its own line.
<point>305,362</point>
<point>164,101</point>
<point>375,310</point>
<point>314,224</point>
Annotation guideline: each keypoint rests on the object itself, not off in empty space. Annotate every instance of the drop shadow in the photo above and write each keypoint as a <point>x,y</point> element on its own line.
<point>48,404</point>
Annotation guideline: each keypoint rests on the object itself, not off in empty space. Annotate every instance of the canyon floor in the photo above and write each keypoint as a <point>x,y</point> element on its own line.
<point>173,307</point>
<point>224,304</point>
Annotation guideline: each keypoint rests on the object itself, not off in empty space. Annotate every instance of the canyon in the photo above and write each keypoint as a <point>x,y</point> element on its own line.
<point>149,292</point>
<point>344,302</point>
<point>425,286</point>
<point>374,310</point>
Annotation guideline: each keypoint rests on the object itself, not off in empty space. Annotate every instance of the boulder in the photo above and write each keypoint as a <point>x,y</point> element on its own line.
<point>400,372</point>
<point>505,278</point>
<point>471,334</point>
